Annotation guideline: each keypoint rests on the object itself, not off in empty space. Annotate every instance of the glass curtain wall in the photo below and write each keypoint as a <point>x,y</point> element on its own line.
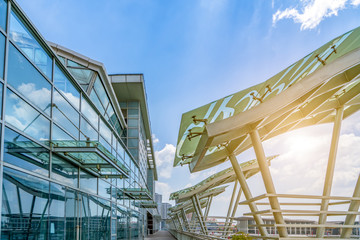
<point>48,193</point>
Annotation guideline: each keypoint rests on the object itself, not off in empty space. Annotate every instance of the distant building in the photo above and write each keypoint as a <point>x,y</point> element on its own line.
<point>246,225</point>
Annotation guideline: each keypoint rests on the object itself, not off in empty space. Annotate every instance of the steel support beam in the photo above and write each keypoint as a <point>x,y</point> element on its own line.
<point>230,206</point>
<point>353,207</point>
<point>208,205</point>
<point>197,207</point>
<point>244,186</point>
<point>330,169</point>
<point>268,182</point>
<point>181,224</point>
<point>186,223</point>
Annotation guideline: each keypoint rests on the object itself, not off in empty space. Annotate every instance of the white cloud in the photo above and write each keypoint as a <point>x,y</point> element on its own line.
<point>164,160</point>
<point>313,11</point>
<point>155,140</point>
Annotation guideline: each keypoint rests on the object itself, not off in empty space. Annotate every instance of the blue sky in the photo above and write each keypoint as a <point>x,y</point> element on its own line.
<point>193,51</point>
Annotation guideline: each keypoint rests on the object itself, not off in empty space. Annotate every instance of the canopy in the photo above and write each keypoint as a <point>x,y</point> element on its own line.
<point>249,168</point>
<point>304,94</point>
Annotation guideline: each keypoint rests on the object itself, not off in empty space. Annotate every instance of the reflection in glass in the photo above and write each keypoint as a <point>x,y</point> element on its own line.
<point>104,189</point>
<point>57,211</point>
<point>87,131</point>
<point>64,171</point>
<point>122,223</point>
<point>59,134</point>
<point>66,87</point>
<point>89,113</point>
<point>88,182</point>
<point>105,131</point>
<point>3,14</point>
<point>65,114</point>
<point>2,51</point>
<point>94,98</point>
<point>28,81</point>
<point>100,91</point>
<point>29,45</point>
<point>25,153</point>
<point>70,212</point>
<point>25,200</point>
<point>104,212</point>
<point>25,118</point>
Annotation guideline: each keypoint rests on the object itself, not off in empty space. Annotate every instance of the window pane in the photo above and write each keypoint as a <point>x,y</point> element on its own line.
<point>29,44</point>
<point>66,87</point>
<point>33,194</point>
<point>104,189</point>
<point>105,131</point>
<point>133,132</point>
<point>25,118</point>
<point>59,135</point>
<point>88,182</point>
<point>57,211</point>
<point>82,75</point>
<point>89,113</point>
<point>65,114</point>
<point>64,171</point>
<point>3,13</point>
<point>133,122</point>
<point>22,152</point>
<point>71,210</point>
<point>28,81</point>
<point>100,90</point>
<point>88,131</point>
<point>2,52</point>
<point>94,98</point>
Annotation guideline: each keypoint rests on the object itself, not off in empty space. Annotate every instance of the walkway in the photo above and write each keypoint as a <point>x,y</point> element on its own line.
<point>161,235</point>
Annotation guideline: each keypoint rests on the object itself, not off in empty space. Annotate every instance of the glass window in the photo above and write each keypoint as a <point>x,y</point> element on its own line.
<point>133,104</point>
<point>25,118</point>
<point>104,189</point>
<point>133,122</point>
<point>22,152</point>
<point>105,131</point>
<point>89,113</point>
<point>71,209</point>
<point>94,216</point>
<point>94,98</point>
<point>133,113</point>
<point>87,131</point>
<point>65,114</point>
<point>62,60</point>
<point>57,211</point>
<point>1,94</point>
<point>120,150</point>
<point>133,132</point>
<point>2,52</point>
<point>100,90</point>
<point>88,182</point>
<point>25,200</point>
<point>59,135</point>
<point>29,45</point>
<point>66,87</point>
<point>3,13</point>
<point>105,144</point>
<point>64,171</point>
<point>133,142</point>
<point>28,81</point>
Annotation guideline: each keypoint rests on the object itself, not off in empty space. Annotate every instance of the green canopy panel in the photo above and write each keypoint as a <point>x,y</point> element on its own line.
<point>138,193</point>
<point>210,192</point>
<point>249,168</point>
<point>147,204</point>
<point>91,155</point>
<point>187,205</point>
<point>304,94</point>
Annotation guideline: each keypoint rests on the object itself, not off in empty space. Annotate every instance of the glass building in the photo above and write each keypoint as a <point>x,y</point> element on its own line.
<point>76,149</point>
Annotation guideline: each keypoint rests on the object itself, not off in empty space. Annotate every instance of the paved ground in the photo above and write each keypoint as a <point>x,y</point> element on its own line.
<point>161,235</point>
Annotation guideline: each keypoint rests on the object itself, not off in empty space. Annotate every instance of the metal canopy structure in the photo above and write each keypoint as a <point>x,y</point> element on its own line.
<point>249,169</point>
<point>304,94</point>
<point>137,193</point>
<point>91,155</point>
<point>323,87</point>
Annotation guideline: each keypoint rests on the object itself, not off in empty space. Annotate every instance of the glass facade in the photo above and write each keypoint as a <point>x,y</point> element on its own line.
<point>66,172</point>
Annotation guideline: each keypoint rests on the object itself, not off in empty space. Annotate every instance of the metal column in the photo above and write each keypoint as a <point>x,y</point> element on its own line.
<point>330,169</point>
<point>208,205</point>
<point>353,207</point>
<point>244,186</point>
<point>268,182</point>
<point>230,207</point>
<point>197,207</point>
